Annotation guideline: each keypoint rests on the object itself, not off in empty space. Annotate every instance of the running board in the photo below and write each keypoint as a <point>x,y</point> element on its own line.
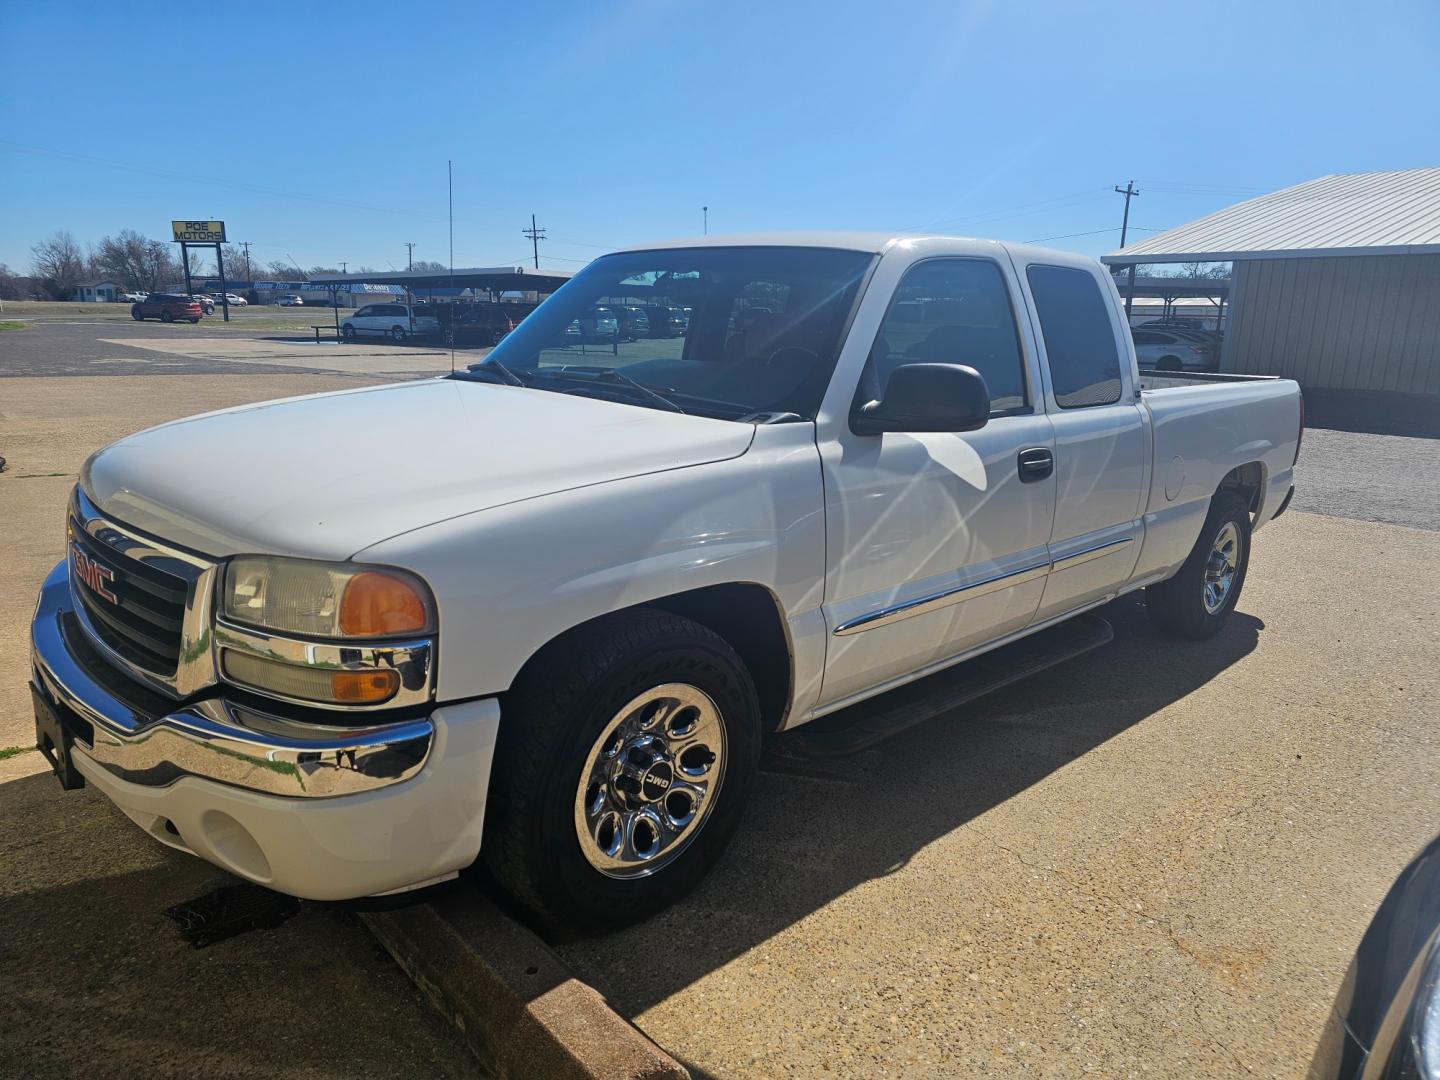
<point>865,724</point>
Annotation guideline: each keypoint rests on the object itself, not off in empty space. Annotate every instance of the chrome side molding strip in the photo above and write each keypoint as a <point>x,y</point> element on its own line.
<point>935,601</point>
<point>1081,557</point>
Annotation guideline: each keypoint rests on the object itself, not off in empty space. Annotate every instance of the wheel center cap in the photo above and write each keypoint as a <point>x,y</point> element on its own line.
<point>644,773</point>
<point>656,782</point>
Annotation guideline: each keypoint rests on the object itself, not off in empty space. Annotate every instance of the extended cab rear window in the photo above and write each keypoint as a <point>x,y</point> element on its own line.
<point>1079,340</point>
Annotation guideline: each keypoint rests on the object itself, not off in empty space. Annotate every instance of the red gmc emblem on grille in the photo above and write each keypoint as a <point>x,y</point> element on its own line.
<point>93,574</point>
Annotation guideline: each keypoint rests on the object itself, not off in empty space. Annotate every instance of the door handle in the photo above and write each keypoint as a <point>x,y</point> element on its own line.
<point>1036,463</point>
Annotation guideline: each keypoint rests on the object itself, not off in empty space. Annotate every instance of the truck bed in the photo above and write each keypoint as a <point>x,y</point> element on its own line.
<point>1204,425</point>
<point>1162,380</point>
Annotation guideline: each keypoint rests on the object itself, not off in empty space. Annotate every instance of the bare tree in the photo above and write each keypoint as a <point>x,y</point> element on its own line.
<point>1198,271</point>
<point>136,261</point>
<point>282,269</point>
<point>59,263</point>
<point>429,265</point>
<point>14,286</point>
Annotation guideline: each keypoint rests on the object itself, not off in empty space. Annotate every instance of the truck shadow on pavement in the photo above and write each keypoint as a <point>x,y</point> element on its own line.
<point>805,842</point>
<point>97,980</point>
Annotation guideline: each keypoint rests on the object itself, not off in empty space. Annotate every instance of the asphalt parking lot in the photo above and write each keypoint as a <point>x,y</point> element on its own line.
<point>1154,861</point>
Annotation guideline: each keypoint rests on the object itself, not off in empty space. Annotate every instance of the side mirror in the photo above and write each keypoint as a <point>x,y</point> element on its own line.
<point>927,397</point>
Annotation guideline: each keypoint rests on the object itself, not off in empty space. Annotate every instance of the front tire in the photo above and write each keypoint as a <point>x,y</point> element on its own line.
<point>625,756</point>
<point>348,333</point>
<point>165,316</point>
<point>1197,602</point>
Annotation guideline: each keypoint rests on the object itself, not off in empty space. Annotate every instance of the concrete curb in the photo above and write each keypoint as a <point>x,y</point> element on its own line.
<point>519,1008</point>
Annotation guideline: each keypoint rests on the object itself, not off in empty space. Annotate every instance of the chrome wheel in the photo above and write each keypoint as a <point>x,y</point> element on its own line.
<point>1221,567</point>
<point>650,781</point>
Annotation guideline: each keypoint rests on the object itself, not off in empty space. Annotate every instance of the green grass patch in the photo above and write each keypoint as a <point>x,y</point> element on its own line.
<point>11,751</point>
<point>11,324</point>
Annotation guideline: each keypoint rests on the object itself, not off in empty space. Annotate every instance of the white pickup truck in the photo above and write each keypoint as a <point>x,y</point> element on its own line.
<point>542,612</point>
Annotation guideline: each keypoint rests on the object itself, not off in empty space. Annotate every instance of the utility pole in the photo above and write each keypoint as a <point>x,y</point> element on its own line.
<point>1130,191</point>
<point>536,235</point>
<point>250,282</point>
<point>410,255</point>
<point>706,211</point>
<point>344,267</point>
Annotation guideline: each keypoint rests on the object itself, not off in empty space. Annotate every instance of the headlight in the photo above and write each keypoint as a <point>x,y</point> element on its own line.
<point>327,600</point>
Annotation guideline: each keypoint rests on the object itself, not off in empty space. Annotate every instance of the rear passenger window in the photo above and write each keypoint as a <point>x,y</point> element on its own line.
<point>951,311</point>
<point>1079,340</point>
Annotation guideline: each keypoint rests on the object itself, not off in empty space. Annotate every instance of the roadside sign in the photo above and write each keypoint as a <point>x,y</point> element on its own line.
<point>198,232</point>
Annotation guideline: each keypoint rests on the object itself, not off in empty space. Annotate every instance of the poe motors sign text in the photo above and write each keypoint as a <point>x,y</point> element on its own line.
<point>199,232</point>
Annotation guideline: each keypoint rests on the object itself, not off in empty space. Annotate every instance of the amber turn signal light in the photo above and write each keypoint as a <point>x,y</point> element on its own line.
<point>363,687</point>
<point>379,605</point>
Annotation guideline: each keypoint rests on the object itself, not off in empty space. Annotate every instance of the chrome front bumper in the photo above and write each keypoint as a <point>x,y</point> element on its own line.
<point>130,731</point>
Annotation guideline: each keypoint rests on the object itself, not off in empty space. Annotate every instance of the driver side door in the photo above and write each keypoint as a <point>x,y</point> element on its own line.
<point>937,542</point>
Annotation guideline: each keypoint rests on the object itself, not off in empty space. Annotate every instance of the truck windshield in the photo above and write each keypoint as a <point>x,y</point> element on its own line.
<point>762,335</point>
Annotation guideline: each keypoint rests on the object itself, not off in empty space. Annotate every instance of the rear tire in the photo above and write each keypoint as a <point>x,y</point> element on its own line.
<point>573,733</point>
<point>1197,602</point>
<point>397,334</point>
<point>194,321</point>
<point>1168,363</point>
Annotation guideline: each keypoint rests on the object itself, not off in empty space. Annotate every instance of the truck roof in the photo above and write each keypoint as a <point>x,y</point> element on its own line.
<point>875,242</point>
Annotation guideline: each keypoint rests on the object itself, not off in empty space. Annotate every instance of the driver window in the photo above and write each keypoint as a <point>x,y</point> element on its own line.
<point>951,311</point>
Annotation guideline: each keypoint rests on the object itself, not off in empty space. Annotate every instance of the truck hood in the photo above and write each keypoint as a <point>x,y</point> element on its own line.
<point>327,475</point>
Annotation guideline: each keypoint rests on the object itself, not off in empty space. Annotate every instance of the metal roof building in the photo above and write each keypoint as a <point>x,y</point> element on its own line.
<point>1335,282</point>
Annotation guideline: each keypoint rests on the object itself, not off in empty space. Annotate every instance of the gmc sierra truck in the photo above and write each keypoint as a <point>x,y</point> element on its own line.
<point>541,612</point>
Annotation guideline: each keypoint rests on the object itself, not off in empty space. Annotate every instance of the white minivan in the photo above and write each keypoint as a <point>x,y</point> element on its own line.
<point>396,321</point>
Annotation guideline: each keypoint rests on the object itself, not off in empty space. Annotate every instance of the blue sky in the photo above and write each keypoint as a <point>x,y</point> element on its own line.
<point>321,131</point>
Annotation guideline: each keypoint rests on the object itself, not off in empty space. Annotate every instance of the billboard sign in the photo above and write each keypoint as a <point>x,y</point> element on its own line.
<point>198,232</point>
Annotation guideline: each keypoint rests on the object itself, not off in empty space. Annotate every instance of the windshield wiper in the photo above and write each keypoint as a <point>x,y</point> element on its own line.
<point>613,375</point>
<point>485,366</point>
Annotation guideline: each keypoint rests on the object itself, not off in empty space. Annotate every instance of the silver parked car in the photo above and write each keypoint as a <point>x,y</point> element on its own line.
<point>1174,350</point>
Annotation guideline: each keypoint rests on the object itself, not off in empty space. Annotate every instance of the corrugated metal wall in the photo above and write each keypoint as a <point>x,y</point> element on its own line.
<point>1362,322</point>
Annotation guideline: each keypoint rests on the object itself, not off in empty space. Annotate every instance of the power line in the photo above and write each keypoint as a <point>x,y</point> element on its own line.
<point>1068,235</point>
<point>536,235</point>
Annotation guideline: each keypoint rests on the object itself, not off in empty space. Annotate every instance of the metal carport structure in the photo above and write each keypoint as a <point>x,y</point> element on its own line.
<point>1334,283</point>
<point>496,279</point>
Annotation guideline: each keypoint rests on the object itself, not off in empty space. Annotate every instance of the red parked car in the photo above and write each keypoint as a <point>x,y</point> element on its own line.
<point>167,307</point>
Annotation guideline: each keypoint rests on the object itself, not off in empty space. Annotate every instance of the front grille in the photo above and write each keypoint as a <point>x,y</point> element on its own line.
<point>144,621</point>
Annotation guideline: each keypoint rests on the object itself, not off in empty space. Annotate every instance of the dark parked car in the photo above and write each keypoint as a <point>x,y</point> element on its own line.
<point>666,321</point>
<point>598,326</point>
<point>1386,1019</point>
<point>479,325</point>
<point>167,307</point>
<point>634,323</point>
